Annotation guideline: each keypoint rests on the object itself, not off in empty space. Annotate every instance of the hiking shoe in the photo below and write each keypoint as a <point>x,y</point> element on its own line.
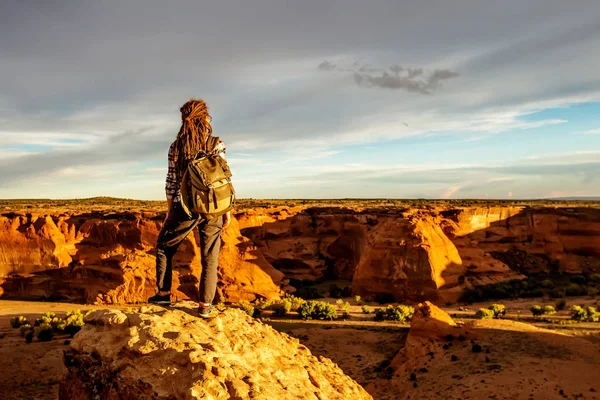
<point>206,312</point>
<point>160,300</point>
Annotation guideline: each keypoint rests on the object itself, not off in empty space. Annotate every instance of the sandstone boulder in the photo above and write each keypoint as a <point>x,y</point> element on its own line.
<point>169,354</point>
<point>429,327</point>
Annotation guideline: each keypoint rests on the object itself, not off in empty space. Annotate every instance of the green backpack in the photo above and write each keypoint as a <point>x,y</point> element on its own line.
<point>206,187</point>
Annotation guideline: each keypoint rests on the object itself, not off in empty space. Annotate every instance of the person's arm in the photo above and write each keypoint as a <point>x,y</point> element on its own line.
<point>226,219</point>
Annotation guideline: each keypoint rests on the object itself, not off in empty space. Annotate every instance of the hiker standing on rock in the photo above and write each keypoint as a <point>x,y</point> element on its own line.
<point>199,194</point>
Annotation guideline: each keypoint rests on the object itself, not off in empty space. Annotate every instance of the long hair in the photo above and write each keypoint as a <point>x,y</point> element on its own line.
<point>194,132</point>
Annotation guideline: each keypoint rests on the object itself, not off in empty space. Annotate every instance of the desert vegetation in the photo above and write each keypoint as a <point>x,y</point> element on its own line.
<point>553,285</point>
<point>49,324</point>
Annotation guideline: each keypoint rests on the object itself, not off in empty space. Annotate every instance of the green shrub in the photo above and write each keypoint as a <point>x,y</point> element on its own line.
<point>283,308</point>
<point>317,310</point>
<point>368,299</point>
<point>578,313</point>
<point>19,321</point>
<point>366,309</point>
<point>594,278</point>
<point>358,300</point>
<point>561,304</point>
<point>76,312</point>
<point>344,307</point>
<point>536,311</point>
<point>548,310</point>
<point>50,315</point>
<point>246,307</point>
<point>592,314</point>
<point>296,301</point>
<point>43,320</point>
<point>73,324</point>
<point>25,328</point>
<point>29,335</point>
<point>499,310</point>
<point>44,332</point>
<point>485,313</point>
<point>576,290</point>
<point>400,313</point>
<point>262,304</point>
<point>58,324</point>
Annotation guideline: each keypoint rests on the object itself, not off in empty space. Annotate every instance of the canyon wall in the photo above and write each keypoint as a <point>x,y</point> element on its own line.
<point>410,254</point>
<point>109,258</point>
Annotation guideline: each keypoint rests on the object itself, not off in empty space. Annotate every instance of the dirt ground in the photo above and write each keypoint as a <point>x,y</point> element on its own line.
<point>519,359</point>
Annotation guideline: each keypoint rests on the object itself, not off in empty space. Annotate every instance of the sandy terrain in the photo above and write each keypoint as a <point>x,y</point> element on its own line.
<point>519,360</point>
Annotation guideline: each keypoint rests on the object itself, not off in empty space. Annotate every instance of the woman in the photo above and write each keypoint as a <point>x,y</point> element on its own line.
<point>191,139</point>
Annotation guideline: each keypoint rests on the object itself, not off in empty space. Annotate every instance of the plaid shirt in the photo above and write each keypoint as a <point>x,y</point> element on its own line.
<point>173,181</point>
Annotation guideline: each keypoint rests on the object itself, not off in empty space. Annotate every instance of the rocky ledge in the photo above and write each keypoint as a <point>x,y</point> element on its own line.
<point>158,353</point>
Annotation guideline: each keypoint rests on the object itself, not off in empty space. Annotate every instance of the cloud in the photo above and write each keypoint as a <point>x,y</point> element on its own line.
<point>414,80</point>
<point>591,132</point>
<point>79,81</point>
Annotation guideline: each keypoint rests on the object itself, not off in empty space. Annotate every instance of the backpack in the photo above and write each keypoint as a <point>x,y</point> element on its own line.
<point>206,187</point>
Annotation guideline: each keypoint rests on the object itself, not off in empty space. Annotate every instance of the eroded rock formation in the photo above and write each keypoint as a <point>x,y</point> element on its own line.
<point>161,354</point>
<point>109,258</point>
<point>410,254</point>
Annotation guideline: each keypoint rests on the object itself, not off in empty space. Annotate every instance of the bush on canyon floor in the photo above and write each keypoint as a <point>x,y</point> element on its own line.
<point>263,304</point>
<point>246,307</point>
<point>44,332</point>
<point>538,311</point>
<point>399,313</point>
<point>549,310</point>
<point>499,310</point>
<point>366,309</point>
<point>296,301</point>
<point>58,324</point>
<point>581,314</point>
<point>556,285</point>
<point>19,321</point>
<point>24,329</point>
<point>283,308</point>
<point>73,324</point>
<point>358,300</point>
<point>317,310</point>
<point>484,313</point>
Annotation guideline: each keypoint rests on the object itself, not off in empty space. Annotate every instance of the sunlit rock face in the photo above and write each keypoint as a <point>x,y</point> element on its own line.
<point>407,254</point>
<point>170,354</point>
<point>109,258</point>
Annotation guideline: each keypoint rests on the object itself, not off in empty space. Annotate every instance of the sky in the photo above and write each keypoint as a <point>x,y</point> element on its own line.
<point>313,99</point>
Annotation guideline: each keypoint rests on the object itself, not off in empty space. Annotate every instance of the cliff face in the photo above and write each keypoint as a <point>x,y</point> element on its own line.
<point>411,254</point>
<point>106,258</point>
<point>425,254</point>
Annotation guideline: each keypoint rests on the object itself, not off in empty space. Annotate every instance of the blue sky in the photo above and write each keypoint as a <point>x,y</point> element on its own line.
<point>333,99</point>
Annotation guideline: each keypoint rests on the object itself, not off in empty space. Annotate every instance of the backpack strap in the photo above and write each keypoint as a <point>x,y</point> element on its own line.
<point>211,143</point>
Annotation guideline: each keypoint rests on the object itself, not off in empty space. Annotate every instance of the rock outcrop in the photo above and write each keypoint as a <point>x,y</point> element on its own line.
<point>169,354</point>
<point>482,359</point>
<point>409,254</point>
<point>430,325</point>
<point>109,258</point>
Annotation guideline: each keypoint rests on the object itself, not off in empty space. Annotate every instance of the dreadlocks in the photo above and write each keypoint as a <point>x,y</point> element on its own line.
<point>194,132</point>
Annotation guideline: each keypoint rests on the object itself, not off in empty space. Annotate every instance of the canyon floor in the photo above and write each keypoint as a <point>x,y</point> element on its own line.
<point>527,358</point>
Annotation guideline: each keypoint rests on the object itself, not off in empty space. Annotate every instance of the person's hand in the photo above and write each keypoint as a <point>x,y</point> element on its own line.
<point>226,219</point>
